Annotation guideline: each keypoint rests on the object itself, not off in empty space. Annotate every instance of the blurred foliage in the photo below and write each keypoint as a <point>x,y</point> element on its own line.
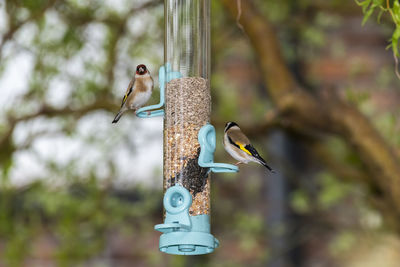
<point>385,6</point>
<point>343,242</point>
<point>81,55</point>
<point>392,7</point>
<point>78,218</point>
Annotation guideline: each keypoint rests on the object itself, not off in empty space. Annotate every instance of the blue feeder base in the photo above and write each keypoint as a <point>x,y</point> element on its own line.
<point>184,234</point>
<point>196,242</point>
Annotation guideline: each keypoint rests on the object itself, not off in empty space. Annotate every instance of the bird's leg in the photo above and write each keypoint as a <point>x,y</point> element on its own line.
<point>237,163</point>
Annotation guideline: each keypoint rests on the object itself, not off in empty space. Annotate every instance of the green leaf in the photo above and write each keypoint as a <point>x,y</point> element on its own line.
<point>364,4</point>
<point>395,41</point>
<point>396,12</point>
<point>380,15</point>
<point>367,14</point>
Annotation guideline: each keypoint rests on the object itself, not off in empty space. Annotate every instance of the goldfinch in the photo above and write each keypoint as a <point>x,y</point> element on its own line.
<point>138,92</point>
<point>238,146</point>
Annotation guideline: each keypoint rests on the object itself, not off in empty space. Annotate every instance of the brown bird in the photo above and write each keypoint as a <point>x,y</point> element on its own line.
<point>138,93</point>
<point>239,147</point>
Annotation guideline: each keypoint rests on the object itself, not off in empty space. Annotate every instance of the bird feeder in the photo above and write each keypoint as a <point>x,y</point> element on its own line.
<point>189,139</point>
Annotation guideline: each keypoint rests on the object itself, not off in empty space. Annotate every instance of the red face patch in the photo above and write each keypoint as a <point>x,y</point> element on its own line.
<point>141,69</point>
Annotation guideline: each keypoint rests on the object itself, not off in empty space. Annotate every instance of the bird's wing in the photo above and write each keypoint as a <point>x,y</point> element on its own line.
<point>239,140</point>
<point>128,91</point>
<point>253,152</point>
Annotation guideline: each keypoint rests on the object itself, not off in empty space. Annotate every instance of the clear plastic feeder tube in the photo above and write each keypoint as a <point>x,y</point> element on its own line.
<point>187,99</point>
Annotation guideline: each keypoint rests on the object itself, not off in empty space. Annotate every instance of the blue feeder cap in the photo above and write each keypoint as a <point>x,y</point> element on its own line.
<point>184,234</point>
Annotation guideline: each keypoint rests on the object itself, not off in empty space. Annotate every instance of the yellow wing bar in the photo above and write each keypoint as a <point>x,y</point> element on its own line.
<point>244,149</point>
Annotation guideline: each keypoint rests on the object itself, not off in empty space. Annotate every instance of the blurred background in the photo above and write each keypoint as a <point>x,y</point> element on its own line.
<point>76,190</point>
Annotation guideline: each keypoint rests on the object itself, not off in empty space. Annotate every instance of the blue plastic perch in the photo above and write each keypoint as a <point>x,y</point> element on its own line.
<point>207,149</point>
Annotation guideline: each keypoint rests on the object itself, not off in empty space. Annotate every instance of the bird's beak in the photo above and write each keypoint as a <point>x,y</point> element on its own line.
<point>141,70</point>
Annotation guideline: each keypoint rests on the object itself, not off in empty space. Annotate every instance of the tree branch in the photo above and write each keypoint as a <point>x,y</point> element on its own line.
<point>48,111</point>
<point>15,26</point>
<point>307,112</point>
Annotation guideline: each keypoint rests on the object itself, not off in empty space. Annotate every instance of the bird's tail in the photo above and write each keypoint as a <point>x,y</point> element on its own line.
<point>262,162</point>
<point>118,116</point>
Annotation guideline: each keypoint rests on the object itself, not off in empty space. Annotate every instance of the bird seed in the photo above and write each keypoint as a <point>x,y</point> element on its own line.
<point>187,109</point>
